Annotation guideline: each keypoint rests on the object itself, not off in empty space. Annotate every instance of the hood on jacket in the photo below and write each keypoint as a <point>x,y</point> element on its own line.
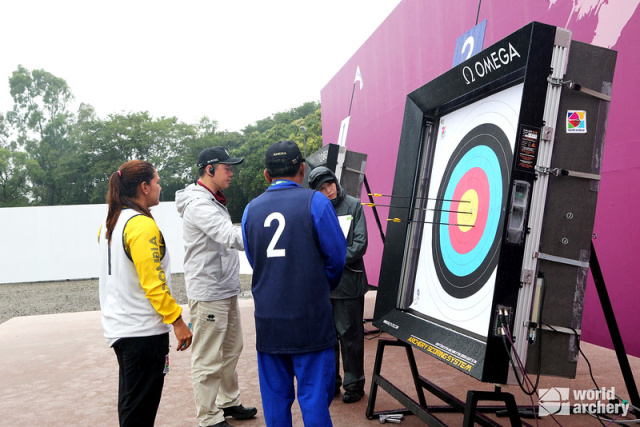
<point>322,174</point>
<point>188,194</point>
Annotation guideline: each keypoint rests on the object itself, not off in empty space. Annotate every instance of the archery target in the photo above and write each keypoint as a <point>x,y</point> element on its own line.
<point>468,187</point>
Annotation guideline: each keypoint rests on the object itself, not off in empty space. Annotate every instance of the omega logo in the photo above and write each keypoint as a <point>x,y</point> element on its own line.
<point>489,63</point>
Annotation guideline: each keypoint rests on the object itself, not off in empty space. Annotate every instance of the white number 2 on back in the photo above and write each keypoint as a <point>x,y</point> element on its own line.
<point>272,252</point>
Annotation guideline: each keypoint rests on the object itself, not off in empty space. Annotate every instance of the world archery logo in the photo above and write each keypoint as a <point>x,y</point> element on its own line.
<point>554,401</point>
<point>576,121</point>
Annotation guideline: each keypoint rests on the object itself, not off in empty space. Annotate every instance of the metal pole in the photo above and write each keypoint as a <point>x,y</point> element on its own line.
<point>614,330</point>
<point>304,141</point>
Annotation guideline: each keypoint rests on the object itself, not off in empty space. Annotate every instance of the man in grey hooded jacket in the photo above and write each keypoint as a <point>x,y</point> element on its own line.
<point>348,298</point>
<point>211,273</point>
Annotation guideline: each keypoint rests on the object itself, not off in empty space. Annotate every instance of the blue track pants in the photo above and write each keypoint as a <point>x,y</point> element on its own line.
<point>315,375</point>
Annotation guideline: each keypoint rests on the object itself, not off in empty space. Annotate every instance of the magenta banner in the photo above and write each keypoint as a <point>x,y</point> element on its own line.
<point>417,43</point>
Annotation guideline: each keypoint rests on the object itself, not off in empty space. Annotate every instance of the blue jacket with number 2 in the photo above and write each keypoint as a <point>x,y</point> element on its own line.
<point>297,249</point>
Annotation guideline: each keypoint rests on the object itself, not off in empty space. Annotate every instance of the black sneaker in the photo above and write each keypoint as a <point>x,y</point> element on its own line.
<point>222,424</point>
<point>352,396</point>
<point>240,412</point>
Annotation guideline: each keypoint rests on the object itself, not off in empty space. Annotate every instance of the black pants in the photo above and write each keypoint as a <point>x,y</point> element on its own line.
<point>142,362</point>
<point>347,316</point>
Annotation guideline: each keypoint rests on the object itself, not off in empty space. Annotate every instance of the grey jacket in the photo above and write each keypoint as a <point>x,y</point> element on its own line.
<point>211,244</point>
<point>354,280</point>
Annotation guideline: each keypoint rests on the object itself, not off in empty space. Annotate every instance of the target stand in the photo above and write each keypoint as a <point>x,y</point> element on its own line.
<point>428,413</point>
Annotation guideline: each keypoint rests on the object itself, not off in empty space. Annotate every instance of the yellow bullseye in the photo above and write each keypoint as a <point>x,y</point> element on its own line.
<point>469,210</point>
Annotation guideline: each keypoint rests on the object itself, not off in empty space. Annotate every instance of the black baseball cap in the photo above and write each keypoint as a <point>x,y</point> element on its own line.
<point>212,155</point>
<point>283,154</point>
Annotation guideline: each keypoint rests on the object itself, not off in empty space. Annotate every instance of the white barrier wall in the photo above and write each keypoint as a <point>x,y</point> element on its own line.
<point>48,243</point>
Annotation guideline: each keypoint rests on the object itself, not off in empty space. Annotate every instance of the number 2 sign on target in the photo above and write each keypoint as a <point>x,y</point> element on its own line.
<point>469,43</point>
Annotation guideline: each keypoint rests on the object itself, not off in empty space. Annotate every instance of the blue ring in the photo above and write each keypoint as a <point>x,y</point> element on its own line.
<point>484,158</point>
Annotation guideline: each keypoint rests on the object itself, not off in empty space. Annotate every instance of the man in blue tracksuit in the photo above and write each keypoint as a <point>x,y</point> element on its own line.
<point>297,250</point>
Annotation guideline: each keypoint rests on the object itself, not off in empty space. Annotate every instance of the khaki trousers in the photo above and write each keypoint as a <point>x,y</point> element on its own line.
<point>217,344</point>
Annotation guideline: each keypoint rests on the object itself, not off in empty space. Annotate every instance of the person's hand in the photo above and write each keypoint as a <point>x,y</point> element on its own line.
<point>183,334</point>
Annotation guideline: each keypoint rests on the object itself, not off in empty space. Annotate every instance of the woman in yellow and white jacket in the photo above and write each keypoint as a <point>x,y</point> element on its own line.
<point>138,310</point>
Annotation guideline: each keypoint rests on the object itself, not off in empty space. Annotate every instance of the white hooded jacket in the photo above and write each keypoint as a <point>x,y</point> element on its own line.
<point>211,243</point>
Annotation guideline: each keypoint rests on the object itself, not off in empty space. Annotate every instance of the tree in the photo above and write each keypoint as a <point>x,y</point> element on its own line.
<point>48,156</point>
<point>14,178</point>
<point>205,135</point>
<point>42,121</point>
<point>14,165</point>
<point>249,179</point>
<point>106,144</point>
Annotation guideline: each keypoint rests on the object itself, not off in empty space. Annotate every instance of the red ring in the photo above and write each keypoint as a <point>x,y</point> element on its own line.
<point>464,241</point>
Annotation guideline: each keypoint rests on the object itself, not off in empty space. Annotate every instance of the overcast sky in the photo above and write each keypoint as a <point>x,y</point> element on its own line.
<point>234,61</point>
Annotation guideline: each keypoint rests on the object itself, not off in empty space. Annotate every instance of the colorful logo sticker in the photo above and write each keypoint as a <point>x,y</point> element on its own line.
<point>576,121</point>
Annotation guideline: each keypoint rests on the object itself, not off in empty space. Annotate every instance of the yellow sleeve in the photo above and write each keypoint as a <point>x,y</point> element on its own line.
<point>145,245</point>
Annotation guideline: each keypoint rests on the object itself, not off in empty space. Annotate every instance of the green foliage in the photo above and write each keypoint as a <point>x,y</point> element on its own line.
<point>42,122</point>
<point>249,181</point>
<point>50,156</point>
<point>14,176</point>
<point>106,144</point>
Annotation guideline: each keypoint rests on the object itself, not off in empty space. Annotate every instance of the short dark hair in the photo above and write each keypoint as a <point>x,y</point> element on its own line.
<point>286,170</point>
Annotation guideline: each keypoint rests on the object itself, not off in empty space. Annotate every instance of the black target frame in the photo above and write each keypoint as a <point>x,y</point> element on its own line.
<point>524,58</point>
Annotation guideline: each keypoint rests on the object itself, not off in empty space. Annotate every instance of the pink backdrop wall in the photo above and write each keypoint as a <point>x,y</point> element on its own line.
<point>416,43</point>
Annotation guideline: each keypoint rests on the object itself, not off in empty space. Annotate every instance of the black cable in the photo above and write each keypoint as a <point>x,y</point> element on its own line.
<point>585,359</point>
<point>524,373</point>
<point>543,294</point>
<point>581,352</point>
<point>515,371</point>
<point>539,362</point>
<point>513,365</point>
<point>373,337</point>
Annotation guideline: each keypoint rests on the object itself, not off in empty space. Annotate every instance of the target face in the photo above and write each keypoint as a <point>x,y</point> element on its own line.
<point>470,209</point>
<point>466,211</point>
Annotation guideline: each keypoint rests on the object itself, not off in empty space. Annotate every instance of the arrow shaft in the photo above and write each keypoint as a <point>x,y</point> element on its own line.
<point>417,198</point>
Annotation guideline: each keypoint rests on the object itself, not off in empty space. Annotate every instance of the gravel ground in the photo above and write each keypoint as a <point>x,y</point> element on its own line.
<point>70,296</point>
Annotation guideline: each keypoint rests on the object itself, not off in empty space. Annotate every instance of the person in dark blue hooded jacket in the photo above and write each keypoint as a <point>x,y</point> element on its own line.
<point>348,298</point>
<point>296,247</point>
